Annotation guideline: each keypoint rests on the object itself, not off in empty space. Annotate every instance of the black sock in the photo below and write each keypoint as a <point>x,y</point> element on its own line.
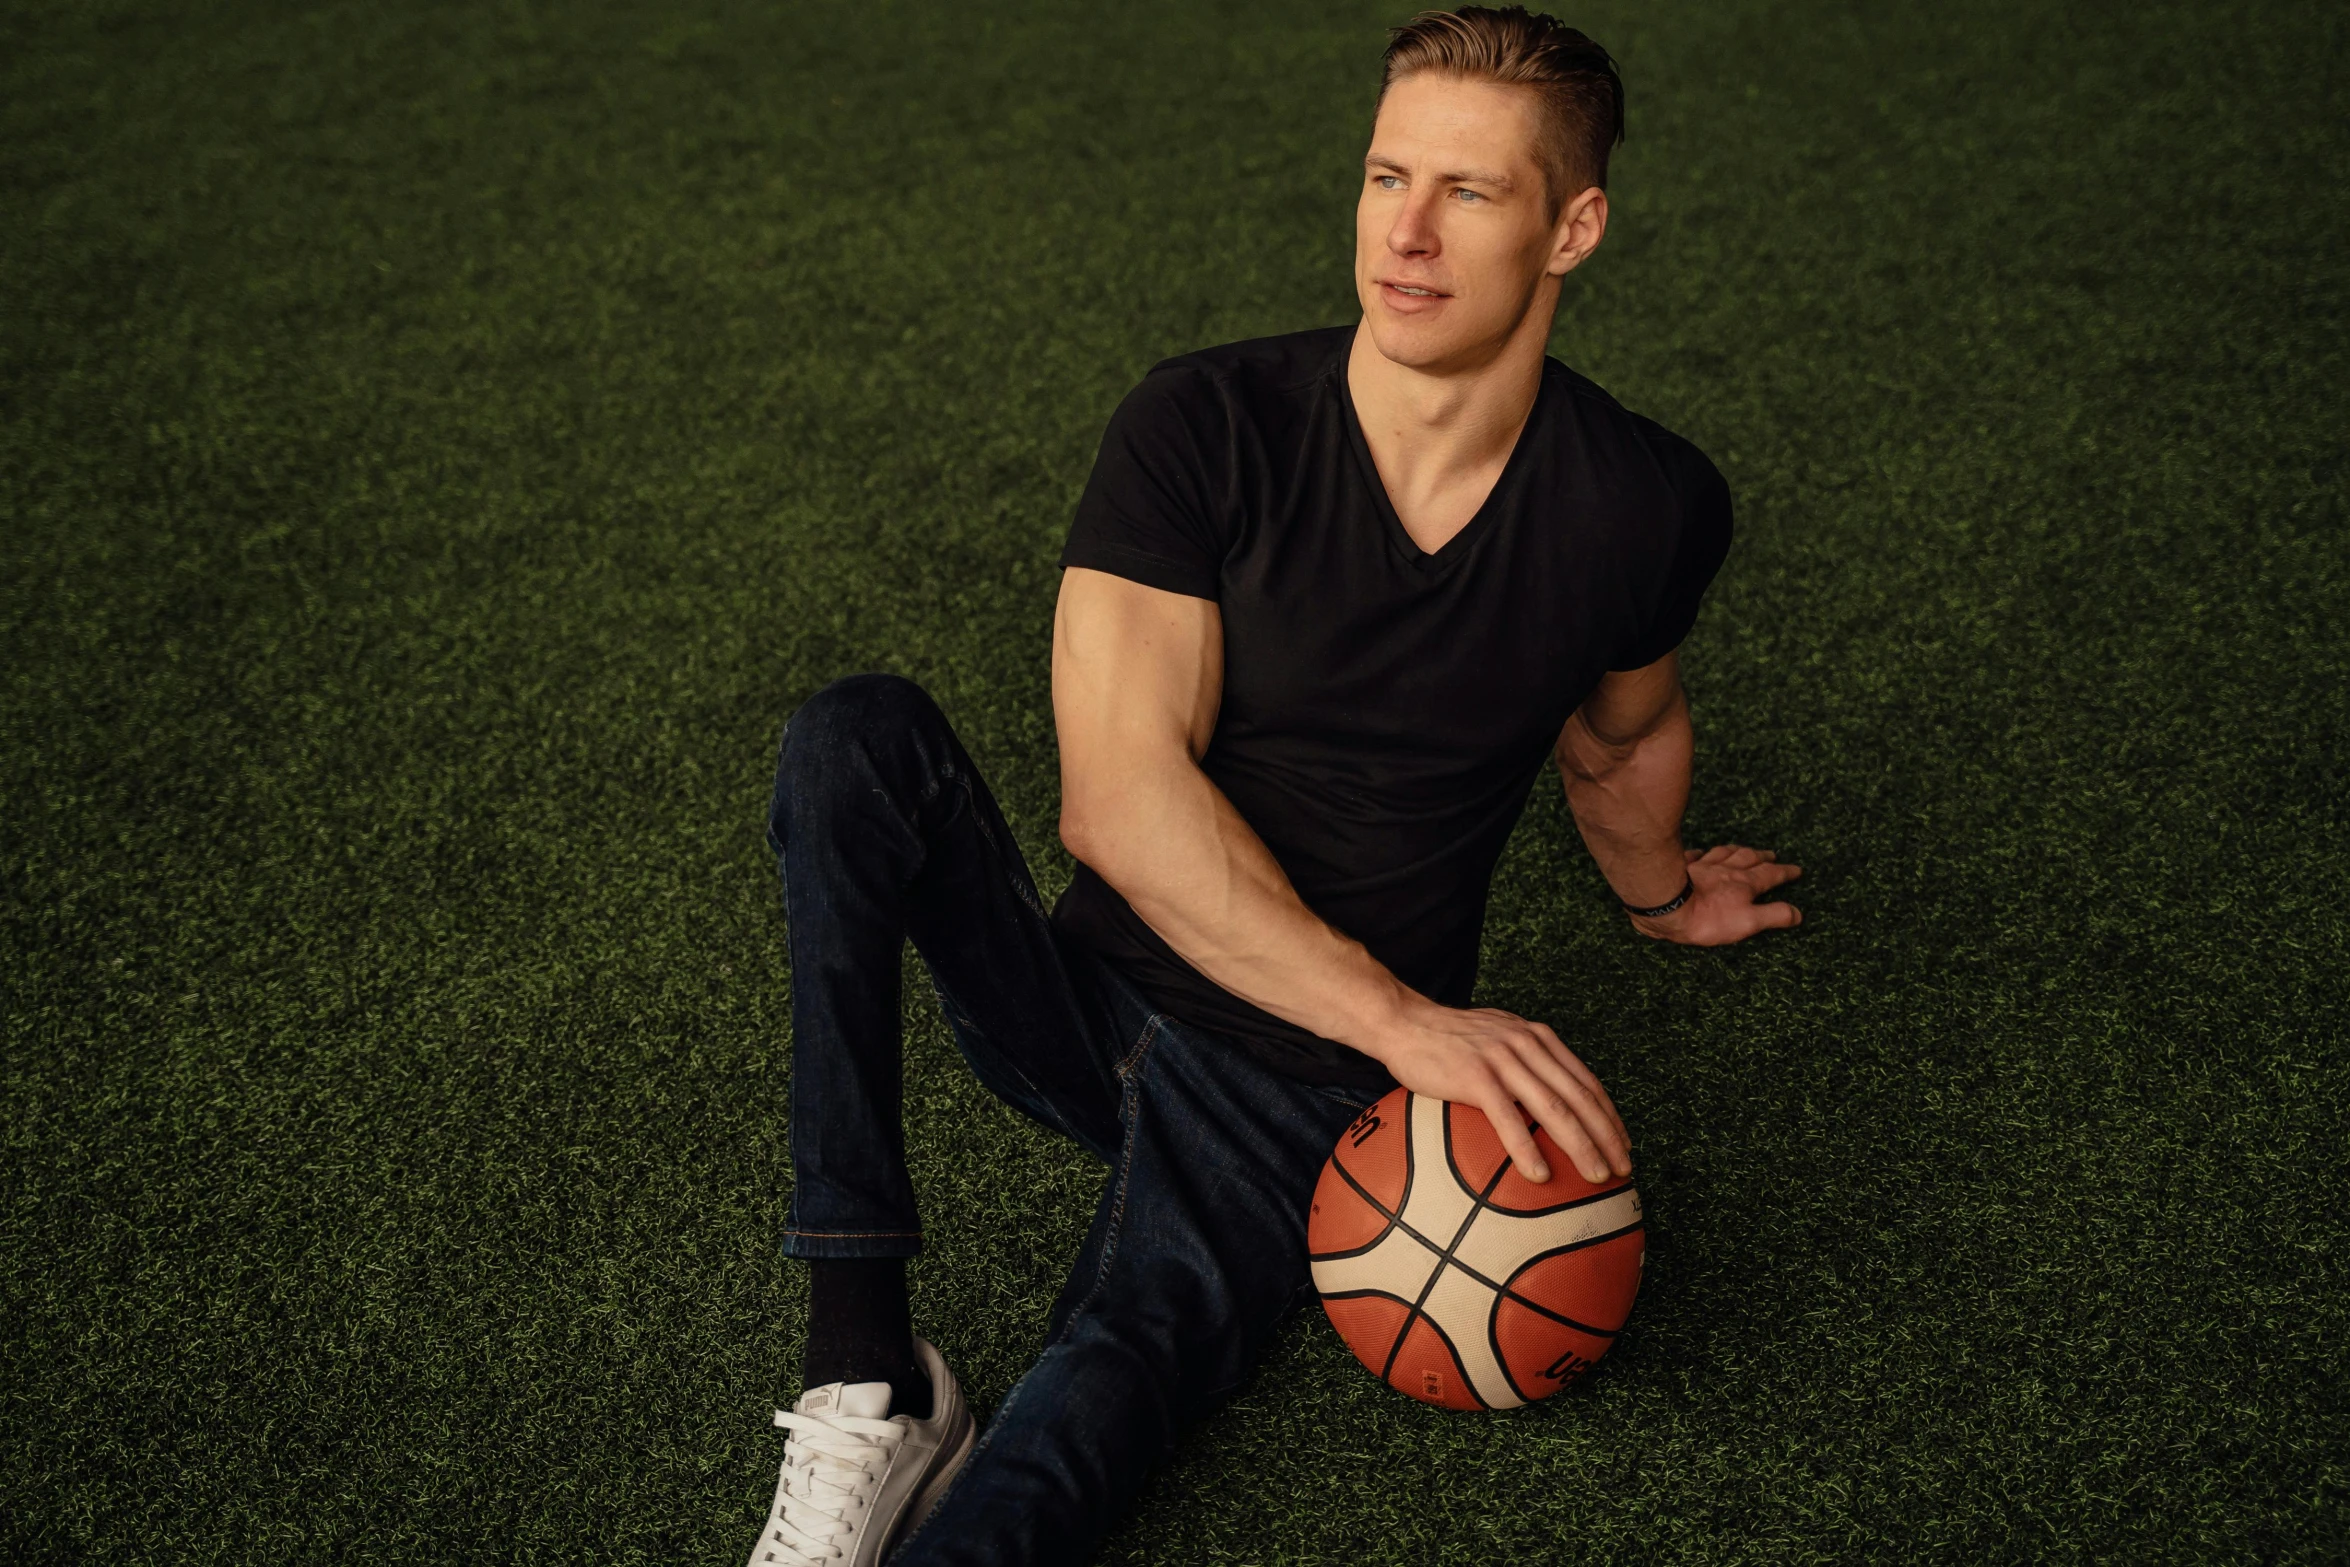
<point>860,1330</point>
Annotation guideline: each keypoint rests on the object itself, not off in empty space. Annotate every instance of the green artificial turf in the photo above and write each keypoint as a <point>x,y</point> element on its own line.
<point>439,443</point>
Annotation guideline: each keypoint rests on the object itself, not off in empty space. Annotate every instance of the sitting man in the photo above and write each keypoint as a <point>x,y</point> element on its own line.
<point>1329,601</point>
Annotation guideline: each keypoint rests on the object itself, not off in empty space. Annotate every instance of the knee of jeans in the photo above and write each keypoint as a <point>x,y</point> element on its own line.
<point>840,737</point>
<point>1193,1360</point>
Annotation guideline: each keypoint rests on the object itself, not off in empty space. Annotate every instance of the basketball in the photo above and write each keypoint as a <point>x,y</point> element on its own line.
<point>1452,1276</point>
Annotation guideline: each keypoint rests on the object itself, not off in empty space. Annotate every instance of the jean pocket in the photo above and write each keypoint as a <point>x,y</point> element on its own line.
<point>1142,1047</point>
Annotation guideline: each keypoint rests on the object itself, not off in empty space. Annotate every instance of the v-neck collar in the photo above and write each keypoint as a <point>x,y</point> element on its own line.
<point>1481,522</point>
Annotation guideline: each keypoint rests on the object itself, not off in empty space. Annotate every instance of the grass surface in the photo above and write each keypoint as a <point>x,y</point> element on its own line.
<point>442,442</point>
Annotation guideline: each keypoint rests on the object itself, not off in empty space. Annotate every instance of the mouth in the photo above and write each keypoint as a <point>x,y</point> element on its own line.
<point>1410,299</point>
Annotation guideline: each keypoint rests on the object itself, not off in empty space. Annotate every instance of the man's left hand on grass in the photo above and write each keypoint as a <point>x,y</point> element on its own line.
<point>1725,882</point>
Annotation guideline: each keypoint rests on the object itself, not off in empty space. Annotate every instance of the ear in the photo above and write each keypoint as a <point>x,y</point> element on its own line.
<point>1581,226</point>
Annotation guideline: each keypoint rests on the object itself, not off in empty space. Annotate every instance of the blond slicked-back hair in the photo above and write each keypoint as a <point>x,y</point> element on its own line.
<point>1582,96</point>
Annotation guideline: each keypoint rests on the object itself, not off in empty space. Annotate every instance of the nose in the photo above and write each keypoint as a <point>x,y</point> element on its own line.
<point>1413,233</point>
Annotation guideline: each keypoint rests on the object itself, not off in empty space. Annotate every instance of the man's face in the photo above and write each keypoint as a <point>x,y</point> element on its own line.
<point>1453,235</point>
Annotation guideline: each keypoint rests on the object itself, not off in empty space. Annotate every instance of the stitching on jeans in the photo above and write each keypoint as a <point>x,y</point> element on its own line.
<point>944,774</point>
<point>853,1235</point>
<point>1109,1254</point>
<point>1150,1032</point>
<point>1013,869</point>
<point>1009,861</point>
<point>1101,1270</point>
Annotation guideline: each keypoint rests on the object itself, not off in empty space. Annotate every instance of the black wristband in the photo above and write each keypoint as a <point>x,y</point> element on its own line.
<point>1688,891</point>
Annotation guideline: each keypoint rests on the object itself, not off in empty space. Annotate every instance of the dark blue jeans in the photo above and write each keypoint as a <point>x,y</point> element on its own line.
<point>1198,1246</point>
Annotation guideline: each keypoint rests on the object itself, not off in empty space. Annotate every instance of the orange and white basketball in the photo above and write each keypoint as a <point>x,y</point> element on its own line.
<point>1452,1276</point>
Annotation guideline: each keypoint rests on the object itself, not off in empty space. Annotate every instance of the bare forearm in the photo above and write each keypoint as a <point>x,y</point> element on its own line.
<point>1626,764</point>
<point>1198,874</point>
<point>1628,797</point>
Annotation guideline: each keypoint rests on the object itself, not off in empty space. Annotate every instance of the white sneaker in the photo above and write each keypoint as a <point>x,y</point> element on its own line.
<point>854,1483</point>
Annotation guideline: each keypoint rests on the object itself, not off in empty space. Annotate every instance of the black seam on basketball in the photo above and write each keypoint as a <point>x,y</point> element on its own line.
<point>1509,1292</point>
<point>1493,1318</point>
<point>1556,1251</point>
<point>1340,1164</point>
<point>1388,1373</point>
<point>1460,1176</point>
<point>1393,1349</point>
<point>1443,1260</point>
<point>1483,1197</point>
<point>1394,1222</point>
<point>1476,1206</point>
<point>1493,1340</point>
<point>1395,1219</point>
<point>1479,1204</point>
<point>1364,1192</point>
<point>1504,1292</point>
<point>1559,1317</point>
<point>1385,1229</point>
<point>1562,1207</point>
<point>1561,1251</point>
<point>1371,1294</point>
<point>1411,1168</point>
<point>1458,1363</point>
<point>1387,1367</point>
<point>1452,1162</point>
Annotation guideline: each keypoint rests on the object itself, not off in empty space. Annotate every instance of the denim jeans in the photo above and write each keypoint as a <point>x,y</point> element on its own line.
<point>885,832</point>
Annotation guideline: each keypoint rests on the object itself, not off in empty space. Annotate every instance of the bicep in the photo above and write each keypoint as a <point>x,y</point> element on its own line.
<point>1138,673</point>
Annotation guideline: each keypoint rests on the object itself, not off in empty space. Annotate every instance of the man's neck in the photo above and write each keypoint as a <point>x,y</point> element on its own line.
<point>1441,436</point>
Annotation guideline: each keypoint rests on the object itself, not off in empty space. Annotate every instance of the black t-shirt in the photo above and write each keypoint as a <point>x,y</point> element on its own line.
<point>1385,710</point>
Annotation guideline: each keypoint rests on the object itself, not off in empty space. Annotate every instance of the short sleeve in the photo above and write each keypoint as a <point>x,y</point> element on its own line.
<point>1702,542</point>
<point>1155,509</point>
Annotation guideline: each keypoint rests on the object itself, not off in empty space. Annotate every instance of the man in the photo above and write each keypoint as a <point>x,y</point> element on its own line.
<point>1330,599</point>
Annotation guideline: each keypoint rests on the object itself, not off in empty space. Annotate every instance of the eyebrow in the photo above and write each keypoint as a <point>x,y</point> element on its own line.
<point>1460,177</point>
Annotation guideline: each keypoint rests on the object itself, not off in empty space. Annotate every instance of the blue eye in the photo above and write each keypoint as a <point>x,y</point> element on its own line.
<point>1389,182</point>
<point>1468,195</point>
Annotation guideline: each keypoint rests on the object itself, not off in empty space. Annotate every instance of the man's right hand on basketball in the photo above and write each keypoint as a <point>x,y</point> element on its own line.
<point>1511,1068</point>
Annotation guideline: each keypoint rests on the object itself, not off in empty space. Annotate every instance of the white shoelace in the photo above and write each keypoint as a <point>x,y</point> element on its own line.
<point>832,1465</point>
